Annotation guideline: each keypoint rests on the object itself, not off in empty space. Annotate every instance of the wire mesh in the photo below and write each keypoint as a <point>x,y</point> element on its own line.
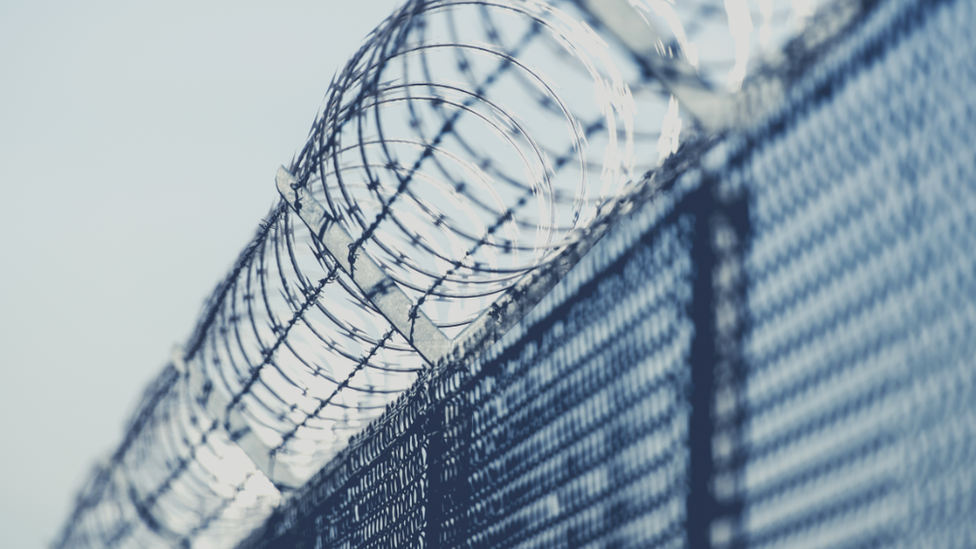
<point>290,358</point>
<point>465,145</point>
<point>565,432</point>
<point>857,409</point>
<point>831,307</point>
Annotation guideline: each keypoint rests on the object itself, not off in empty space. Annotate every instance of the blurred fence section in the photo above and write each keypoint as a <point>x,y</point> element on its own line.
<point>767,338</point>
<point>855,420</point>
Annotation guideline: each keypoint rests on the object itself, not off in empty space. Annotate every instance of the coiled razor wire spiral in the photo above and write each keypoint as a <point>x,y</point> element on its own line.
<point>465,144</point>
<point>455,187</point>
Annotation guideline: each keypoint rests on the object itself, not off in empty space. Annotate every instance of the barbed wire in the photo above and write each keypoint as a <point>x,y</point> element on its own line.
<point>466,144</point>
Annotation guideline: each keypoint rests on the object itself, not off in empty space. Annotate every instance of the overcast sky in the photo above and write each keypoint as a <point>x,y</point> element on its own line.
<point>138,146</point>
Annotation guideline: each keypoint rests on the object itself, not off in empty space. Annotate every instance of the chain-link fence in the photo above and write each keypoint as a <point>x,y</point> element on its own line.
<point>771,345</point>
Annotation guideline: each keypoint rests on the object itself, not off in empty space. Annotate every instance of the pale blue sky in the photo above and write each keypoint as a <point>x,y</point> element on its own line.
<point>138,146</point>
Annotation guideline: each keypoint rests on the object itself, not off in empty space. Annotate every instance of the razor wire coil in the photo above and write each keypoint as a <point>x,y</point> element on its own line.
<point>464,145</point>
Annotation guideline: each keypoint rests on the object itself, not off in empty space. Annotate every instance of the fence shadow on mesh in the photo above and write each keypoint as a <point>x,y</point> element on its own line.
<point>772,345</point>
